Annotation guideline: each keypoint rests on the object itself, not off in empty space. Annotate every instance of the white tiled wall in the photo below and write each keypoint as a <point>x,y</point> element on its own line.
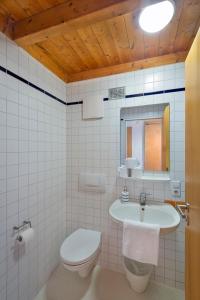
<point>94,146</point>
<point>32,173</point>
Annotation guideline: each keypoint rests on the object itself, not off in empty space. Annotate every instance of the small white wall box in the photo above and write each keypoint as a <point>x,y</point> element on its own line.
<point>175,188</point>
<point>90,182</point>
<point>93,106</point>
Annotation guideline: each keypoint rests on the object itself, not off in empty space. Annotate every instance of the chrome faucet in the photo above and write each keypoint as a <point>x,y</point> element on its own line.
<point>143,198</point>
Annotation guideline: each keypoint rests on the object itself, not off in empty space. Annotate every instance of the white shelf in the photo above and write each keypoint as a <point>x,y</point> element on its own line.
<point>156,178</point>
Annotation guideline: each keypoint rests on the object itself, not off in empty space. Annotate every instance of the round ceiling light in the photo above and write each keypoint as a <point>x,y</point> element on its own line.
<point>155,17</point>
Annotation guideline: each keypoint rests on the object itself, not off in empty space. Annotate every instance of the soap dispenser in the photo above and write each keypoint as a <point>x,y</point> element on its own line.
<point>125,195</point>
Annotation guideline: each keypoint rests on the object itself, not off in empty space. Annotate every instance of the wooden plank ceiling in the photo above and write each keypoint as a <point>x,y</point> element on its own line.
<point>82,39</point>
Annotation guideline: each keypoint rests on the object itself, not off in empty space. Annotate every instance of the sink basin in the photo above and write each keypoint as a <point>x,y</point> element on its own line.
<point>164,215</point>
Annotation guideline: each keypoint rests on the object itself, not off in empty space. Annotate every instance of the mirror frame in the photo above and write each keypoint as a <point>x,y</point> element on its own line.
<point>145,172</point>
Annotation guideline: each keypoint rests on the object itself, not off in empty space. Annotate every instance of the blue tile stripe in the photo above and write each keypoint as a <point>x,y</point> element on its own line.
<point>138,95</point>
<point>152,93</point>
<point>74,103</point>
<point>80,102</point>
<point>12,74</point>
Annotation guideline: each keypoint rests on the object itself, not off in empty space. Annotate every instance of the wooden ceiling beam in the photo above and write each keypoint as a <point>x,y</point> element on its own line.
<point>71,15</point>
<point>130,66</point>
<point>6,25</point>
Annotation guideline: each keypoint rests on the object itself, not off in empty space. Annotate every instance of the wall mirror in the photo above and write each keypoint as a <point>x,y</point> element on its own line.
<point>145,136</point>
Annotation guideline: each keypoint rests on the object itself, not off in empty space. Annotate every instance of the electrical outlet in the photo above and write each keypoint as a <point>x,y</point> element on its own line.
<point>175,188</point>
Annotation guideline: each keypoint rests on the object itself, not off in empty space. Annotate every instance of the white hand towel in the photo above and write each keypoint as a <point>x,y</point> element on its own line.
<point>141,241</point>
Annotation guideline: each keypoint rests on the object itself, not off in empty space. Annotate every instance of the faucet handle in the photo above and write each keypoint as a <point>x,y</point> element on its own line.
<point>143,197</point>
<point>148,194</point>
<point>145,194</point>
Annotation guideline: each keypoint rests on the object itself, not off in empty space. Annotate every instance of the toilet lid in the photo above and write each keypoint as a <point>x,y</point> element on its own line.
<point>80,246</point>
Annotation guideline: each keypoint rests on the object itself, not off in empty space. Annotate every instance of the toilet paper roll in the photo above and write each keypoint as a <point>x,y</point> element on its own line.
<point>25,236</point>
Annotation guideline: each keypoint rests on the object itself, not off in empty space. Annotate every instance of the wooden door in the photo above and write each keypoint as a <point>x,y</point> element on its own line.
<point>129,152</point>
<point>166,139</point>
<point>193,170</point>
<point>153,146</point>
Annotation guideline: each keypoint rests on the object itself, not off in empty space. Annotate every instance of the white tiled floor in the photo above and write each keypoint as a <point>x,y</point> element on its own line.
<point>102,285</point>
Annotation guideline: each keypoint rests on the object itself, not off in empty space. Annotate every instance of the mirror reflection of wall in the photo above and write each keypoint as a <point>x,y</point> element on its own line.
<point>145,136</point>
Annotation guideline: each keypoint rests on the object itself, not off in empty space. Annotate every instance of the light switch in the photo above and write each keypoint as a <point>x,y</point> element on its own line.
<point>175,188</point>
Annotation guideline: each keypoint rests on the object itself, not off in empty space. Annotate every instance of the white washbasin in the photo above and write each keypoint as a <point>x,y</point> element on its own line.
<point>164,215</point>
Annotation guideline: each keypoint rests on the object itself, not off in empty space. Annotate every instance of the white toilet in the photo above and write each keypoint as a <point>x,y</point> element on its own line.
<point>79,251</point>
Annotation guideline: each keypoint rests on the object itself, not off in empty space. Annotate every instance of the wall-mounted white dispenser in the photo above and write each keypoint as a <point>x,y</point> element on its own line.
<point>93,106</point>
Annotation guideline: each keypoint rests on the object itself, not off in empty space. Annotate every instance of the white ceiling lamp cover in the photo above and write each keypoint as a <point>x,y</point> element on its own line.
<point>154,18</point>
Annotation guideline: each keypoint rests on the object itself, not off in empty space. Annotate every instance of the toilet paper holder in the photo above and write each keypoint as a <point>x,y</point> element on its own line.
<point>21,227</point>
<point>24,224</point>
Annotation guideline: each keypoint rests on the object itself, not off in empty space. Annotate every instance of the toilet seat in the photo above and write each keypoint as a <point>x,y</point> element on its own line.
<point>81,246</point>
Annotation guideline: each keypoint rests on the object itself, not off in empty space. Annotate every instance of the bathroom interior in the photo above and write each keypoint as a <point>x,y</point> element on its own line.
<point>99,150</point>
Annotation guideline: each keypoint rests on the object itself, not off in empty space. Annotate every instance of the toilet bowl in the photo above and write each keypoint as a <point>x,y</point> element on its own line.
<point>80,250</point>
<point>137,274</point>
